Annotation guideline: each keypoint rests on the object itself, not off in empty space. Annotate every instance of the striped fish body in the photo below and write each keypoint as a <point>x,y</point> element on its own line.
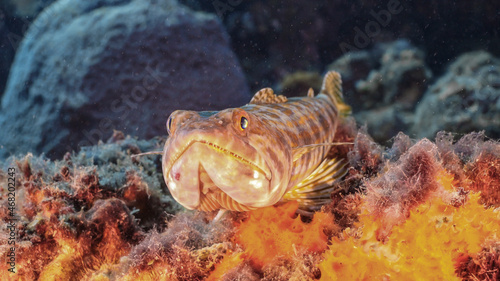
<point>295,124</point>
<point>253,156</point>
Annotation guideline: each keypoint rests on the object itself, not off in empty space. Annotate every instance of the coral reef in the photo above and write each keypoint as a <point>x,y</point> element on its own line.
<point>406,184</point>
<point>481,266</point>
<point>418,209</point>
<point>290,236</point>
<point>466,98</point>
<point>474,163</point>
<point>88,68</point>
<point>398,94</point>
<point>86,210</point>
<point>383,85</point>
<point>415,210</point>
<point>401,77</point>
<point>426,246</point>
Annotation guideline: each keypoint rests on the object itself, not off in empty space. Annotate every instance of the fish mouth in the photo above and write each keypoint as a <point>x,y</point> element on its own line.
<point>263,170</point>
<point>237,180</point>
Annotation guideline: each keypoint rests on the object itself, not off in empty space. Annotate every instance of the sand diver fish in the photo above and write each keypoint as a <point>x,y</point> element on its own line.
<point>272,149</point>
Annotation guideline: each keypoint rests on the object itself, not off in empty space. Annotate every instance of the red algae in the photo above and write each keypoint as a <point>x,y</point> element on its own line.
<point>366,155</point>
<point>483,174</point>
<point>226,265</point>
<point>417,211</point>
<point>406,183</point>
<point>419,219</point>
<point>475,164</point>
<point>484,265</point>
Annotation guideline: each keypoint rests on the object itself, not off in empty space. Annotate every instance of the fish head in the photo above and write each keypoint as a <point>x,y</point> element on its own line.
<point>225,152</point>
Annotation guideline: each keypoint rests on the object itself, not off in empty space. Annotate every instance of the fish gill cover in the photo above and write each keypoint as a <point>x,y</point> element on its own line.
<point>419,210</point>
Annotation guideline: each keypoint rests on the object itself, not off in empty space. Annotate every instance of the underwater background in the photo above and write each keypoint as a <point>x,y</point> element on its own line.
<point>85,84</point>
<point>81,69</point>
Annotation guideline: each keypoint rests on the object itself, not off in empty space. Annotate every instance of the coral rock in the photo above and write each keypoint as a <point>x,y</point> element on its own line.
<point>86,68</point>
<point>384,98</point>
<point>466,98</point>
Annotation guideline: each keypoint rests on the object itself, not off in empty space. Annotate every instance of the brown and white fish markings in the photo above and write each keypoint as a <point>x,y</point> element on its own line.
<point>272,149</point>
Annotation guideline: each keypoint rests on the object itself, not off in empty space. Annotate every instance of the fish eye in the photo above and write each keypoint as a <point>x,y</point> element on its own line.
<point>169,124</point>
<point>243,123</point>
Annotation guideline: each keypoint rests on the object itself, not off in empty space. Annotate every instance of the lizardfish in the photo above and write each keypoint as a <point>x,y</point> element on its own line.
<point>270,150</point>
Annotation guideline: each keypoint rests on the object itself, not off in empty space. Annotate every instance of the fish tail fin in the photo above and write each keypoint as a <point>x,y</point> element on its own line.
<point>315,191</point>
<point>332,87</point>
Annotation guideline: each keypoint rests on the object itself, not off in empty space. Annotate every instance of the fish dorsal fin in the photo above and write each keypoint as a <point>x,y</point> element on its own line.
<point>332,84</point>
<point>267,95</point>
<point>298,151</point>
<point>332,87</point>
<point>310,93</point>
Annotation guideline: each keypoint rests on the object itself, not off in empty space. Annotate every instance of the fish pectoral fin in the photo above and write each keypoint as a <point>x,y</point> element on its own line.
<point>147,153</point>
<point>298,151</point>
<point>267,95</point>
<point>219,215</point>
<point>315,190</point>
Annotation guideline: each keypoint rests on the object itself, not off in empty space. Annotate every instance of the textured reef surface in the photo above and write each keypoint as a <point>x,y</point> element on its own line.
<point>416,209</point>
<point>91,80</point>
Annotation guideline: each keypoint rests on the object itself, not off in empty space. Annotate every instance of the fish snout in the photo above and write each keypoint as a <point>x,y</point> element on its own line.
<point>183,183</point>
